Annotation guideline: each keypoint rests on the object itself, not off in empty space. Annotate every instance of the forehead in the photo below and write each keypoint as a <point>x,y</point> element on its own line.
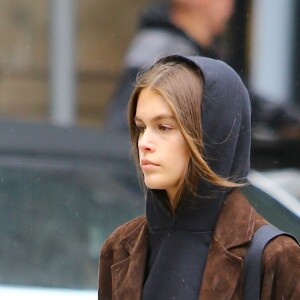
<point>151,105</point>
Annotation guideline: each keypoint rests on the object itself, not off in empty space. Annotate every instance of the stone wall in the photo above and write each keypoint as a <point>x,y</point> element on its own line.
<point>104,29</point>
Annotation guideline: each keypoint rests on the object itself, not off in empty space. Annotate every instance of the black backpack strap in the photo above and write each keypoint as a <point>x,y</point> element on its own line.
<point>252,263</point>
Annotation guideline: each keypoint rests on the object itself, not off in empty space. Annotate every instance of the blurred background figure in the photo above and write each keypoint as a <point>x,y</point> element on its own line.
<point>177,26</point>
<point>192,28</point>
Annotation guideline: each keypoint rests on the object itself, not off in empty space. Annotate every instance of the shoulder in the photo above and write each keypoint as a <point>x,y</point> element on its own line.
<point>143,52</point>
<point>281,269</point>
<point>241,219</point>
<point>128,230</point>
<point>281,250</point>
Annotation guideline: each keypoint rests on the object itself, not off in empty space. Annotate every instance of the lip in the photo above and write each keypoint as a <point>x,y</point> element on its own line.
<point>147,164</point>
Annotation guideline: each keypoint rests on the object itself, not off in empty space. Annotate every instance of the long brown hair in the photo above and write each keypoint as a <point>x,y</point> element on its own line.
<point>181,86</point>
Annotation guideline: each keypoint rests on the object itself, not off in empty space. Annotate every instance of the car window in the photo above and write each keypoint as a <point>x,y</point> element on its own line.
<point>55,216</point>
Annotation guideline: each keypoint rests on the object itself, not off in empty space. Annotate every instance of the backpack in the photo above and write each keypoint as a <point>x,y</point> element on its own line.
<point>252,263</point>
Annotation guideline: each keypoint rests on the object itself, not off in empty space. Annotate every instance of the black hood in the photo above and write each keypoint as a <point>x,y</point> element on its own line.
<point>226,126</point>
<point>179,243</point>
<point>226,115</point>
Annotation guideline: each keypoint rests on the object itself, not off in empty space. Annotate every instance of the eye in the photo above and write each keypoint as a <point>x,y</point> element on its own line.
<point>164,127</point>
<point>139,128</point>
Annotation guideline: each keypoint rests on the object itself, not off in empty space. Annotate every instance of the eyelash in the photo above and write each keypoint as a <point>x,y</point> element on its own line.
<point>164,128</point>
<point>140,129</point>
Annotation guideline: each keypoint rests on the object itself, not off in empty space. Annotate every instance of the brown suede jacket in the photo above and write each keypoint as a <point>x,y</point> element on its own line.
<point>124,254</point>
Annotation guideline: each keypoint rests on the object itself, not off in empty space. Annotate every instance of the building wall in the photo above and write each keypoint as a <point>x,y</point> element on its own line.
<point>104,29</point>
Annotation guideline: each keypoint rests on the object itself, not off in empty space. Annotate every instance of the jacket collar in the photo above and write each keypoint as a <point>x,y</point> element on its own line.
<point>134,238</point>
<point>234,228</point>
<point>235,224</point>
<point>128,274</point>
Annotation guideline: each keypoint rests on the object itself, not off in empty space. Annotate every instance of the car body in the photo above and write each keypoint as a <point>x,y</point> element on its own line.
<point>38,293</point>
<point>63,190</point>
<point>276,196</point>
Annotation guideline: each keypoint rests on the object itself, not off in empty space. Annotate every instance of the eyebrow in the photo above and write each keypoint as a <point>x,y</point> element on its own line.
<point>156,118</point>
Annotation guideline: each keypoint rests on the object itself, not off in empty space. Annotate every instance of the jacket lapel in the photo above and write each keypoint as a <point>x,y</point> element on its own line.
<point>128,274</point>
<point>234,228</point>
<point>222,273</point>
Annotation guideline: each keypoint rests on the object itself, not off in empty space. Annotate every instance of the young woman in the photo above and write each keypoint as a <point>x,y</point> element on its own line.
<point>189,120</point>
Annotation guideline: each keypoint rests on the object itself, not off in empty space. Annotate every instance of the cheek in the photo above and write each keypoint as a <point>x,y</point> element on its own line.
<point>181,157</point>
<point>184,161</point>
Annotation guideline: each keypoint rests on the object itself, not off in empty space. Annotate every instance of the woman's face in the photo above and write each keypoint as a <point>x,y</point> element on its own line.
<point>163,153</point>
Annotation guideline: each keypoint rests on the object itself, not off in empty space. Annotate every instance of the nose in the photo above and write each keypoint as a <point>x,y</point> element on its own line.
<point>146,141</point>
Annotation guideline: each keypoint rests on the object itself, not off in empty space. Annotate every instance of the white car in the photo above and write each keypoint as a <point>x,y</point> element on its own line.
<point>15,292</point>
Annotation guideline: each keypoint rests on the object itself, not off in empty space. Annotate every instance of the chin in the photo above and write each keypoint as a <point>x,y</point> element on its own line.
<point>154,185</point>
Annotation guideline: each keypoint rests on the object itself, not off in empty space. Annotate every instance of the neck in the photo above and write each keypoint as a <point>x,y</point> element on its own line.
<point>171,198</point>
